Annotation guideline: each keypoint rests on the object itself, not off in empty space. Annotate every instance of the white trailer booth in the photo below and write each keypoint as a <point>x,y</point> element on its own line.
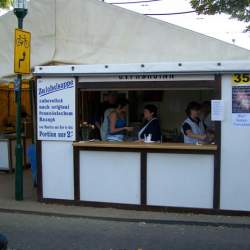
<point>99,33</point>
<point>168,175</point>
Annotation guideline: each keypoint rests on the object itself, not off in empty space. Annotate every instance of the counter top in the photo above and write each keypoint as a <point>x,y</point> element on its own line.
<point>142,145</point>
<point>9,136</point>
<point>4,136</point>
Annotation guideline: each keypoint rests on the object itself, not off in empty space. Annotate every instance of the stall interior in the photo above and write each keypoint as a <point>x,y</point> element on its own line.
<point>8,124</point>
<point>171,105</point>
<point>8,107</point>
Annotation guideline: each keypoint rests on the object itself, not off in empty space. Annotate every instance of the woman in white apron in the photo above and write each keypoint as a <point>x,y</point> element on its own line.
<point>193,128</point>
<point>151,125</point>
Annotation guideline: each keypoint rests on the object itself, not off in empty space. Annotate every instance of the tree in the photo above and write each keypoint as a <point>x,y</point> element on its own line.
<point>239,9</point>
<point>6,4</point>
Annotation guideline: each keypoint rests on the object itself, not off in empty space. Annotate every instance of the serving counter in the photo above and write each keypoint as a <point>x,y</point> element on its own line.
<point>7,151</point>
<point>142,174</point>
<point>145,146</point>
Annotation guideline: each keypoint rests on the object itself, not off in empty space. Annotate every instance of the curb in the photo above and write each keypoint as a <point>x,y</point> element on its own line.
<point>117,219</point>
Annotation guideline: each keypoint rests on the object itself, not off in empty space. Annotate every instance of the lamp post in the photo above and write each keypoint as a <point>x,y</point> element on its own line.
<point>20,10</point>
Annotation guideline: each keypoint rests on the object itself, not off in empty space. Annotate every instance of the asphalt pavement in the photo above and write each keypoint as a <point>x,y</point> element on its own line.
<point>30,205</point>
<point>37,232</point>
<point>33,225</point>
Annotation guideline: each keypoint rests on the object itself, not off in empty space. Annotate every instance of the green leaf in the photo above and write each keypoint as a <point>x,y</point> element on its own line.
<point>239,9</point>
<point>6,4</point>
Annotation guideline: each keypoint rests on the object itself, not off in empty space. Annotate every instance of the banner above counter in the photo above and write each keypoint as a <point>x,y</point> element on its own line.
<point>145,78</point>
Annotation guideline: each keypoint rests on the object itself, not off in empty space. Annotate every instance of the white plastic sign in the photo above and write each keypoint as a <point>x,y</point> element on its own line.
<point>56,109</point>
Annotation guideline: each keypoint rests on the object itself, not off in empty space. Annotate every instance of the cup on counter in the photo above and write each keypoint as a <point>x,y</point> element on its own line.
<point>148,138</point>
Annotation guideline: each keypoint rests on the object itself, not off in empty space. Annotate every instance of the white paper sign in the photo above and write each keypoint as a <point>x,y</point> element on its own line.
<point>217,110</point>
<point>56,109</point>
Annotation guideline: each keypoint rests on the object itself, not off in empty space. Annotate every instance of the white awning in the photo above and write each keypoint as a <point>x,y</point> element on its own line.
<point>93,32</point>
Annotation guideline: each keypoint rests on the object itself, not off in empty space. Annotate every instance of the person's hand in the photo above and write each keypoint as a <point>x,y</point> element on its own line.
<point>203,137</point>
<point>138,141</point>
<point>129,129</point>
<point>211,137</point>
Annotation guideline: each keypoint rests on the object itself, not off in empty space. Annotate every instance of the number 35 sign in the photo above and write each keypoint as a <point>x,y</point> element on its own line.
<point>241,79</point>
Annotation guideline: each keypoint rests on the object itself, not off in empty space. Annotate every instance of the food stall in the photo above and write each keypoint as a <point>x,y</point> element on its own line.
<point>8,124</point>
<point>132,174</point>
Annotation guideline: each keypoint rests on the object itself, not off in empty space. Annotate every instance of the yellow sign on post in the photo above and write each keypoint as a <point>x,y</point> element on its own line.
<point>22,52</point>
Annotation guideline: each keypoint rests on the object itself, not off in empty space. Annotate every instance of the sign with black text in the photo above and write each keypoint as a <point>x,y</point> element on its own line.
<point>241,100</point>
<point>217,110</point>
<point>56,109</point>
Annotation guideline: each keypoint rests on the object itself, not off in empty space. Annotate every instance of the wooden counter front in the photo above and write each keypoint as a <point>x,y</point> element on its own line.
<point>144,146</point>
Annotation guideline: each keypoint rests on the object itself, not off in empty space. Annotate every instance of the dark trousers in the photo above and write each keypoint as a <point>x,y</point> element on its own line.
<point>3,242</point>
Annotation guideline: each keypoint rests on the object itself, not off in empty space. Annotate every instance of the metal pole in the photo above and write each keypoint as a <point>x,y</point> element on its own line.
<point>31,83</point>
<point>19,146</point>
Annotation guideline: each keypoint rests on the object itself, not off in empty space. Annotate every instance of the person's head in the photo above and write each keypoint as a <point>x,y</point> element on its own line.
<point>121,105</point>
<point>112,97</point>
<point>206,108</point>
<point>193,109</point>
<point>150,111</point>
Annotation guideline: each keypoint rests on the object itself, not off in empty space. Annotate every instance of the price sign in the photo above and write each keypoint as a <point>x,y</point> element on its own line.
<point>56,109</point>
<point>22,52</point>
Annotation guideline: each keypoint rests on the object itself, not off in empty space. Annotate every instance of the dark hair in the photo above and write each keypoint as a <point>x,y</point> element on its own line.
<point>152,109</point>
<point>206,104</point>
<point>192,106</point>
<point>121,102</point>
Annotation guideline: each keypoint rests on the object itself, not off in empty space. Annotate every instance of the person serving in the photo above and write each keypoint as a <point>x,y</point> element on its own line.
<point>193,127</point>
<point>151,125</point>
<point>116,122</point>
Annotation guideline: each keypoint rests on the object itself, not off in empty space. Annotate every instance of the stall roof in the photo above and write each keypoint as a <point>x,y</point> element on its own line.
<point>94,32</point>
<point>218,67</point>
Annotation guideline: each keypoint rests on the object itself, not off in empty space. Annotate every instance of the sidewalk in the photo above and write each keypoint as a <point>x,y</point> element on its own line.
<point>30,205</point>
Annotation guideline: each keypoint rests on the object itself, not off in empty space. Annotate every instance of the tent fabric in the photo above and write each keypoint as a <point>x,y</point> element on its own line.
<point>40,21</point>
<point>94,32</point>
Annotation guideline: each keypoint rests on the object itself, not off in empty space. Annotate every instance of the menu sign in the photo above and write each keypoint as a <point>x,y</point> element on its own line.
<point>241,100</point>
<point>217,110</point>
<point>56,109</point>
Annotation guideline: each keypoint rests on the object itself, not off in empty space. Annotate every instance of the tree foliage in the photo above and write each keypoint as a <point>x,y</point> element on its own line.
<point>239,9</point>
<point>6,4</point>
